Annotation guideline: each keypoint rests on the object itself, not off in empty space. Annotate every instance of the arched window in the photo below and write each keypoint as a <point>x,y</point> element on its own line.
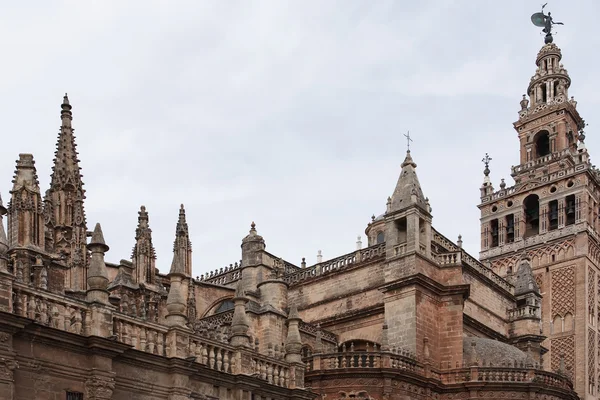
<point>226,305</point>
<point>380,237</point>
<point>542,144</point>
<point>532,215</point>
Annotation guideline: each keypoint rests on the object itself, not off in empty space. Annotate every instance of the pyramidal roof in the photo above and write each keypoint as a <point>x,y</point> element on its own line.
<point>408,190</point>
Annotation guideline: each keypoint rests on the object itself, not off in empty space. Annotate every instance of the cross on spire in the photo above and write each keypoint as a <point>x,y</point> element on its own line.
<point>486,161</point>
<point>408,140</point>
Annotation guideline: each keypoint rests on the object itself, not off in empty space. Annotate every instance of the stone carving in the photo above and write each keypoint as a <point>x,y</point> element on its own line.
<point>99,388</point>
<point>563,348</point>
<point>563,291</point>
<point>7,366</point>
<point>591,357</point>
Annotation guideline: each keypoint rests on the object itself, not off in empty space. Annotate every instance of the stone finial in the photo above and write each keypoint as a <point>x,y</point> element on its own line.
<point>319,257</point>
<point>143,256</point>
<point>293,345</point>
<point>239,321</point>
<point>97,277</point>
<point>319,340</point>
<point>459,242</point>
<point>303,263</point>
<point>524,103</point>
<point>358,243</point>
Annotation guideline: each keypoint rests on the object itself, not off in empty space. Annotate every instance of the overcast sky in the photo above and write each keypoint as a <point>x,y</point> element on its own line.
<point>288,113</point>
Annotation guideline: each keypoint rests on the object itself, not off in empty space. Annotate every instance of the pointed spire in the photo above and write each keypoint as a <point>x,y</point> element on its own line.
<point>97,277</point>
<point>524,280</point>
<point>293,345</point>
<point>408,189</point>
<point>25,217</point>
<point>64,213</point>
<point>143,255</point>
<point>182,247</point>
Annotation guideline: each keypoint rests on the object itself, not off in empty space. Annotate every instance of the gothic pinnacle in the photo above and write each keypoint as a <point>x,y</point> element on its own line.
<point>97,277</point>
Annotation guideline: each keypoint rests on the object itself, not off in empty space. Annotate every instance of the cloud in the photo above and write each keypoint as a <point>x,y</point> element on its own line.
<point>287,113</point>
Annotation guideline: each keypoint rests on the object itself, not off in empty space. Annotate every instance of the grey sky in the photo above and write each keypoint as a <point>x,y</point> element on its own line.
<point>289,113</point>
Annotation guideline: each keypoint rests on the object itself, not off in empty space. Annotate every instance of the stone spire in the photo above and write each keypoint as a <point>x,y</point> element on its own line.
<point>293,343</point>
<point>239,321</point>
<point>408,189</point>
<point>97,276</point>
<point>25,217</point>
<point>63,203</point>
<point>182,248</point>
<point>143,255</point>
<point>181,268</point>
<point>3,240</point>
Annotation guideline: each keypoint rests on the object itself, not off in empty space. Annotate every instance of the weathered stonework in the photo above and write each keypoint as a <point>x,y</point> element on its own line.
<point>409,316</point>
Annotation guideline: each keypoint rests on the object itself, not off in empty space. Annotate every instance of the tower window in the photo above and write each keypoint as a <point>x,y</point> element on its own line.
<point>510,228</point>
<point>570,210</point>
<point>553,215</point>
<point>380,237</point>
<point>402,230</point>
<point>542,144</point>
<point>494,226</point>
<point>532,215</point>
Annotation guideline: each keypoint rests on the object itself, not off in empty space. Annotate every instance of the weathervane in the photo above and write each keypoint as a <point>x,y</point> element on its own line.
<point>545,21</point>
<point>486,161</point>
<point>408,140</point>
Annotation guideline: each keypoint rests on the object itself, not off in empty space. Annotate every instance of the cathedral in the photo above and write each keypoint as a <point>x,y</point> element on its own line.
<point>410,315</point>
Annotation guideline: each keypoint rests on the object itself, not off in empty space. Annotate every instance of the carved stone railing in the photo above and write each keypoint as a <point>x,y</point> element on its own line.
<point>453,258</point>
<point>49,309</point>
<point>220,319</point>
<point>224,275</point>
<point>527,311</point>
<point>337,263</point>
<point>506,374</point>
<point>363,359</point>
<point>312,330</point>
<point>216,356</point>
<point>487,272</point>
<point>271,370</point>
<point>141,335</point>
<point>538,161</point>
<point>465,258</point>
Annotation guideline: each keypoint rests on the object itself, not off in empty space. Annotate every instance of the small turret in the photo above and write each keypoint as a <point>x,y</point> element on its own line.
<point>253,246</point>
<point>97,276</point>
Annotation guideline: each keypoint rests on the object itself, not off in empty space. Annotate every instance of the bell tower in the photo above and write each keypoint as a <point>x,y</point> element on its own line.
<point>550,217</point>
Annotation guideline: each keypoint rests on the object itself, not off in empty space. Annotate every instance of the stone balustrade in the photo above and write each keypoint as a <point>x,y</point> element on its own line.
<point>337,263</point>
<point>214,355</point>
<point>363,359</point>
<point>268,369</point>
<point>446,259</point>
<point>389,361</point>
<point>506,374</point>
<point>141,335</point>
<point>49,309</point>
<point>527,311</point>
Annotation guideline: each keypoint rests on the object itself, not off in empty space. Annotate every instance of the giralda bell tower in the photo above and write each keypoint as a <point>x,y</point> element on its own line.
<point>550,216</point>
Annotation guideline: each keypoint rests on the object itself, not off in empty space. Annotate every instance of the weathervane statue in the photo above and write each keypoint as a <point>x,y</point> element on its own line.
<point>542,20</point>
